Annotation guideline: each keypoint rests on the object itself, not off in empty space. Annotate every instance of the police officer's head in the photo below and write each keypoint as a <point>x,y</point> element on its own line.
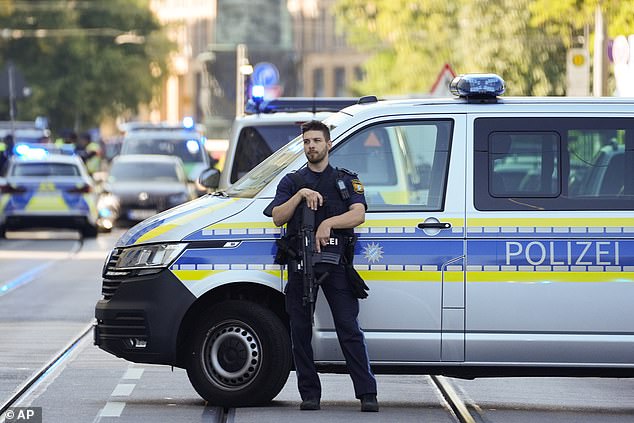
<point>315,125</point>
<point>316,141</point>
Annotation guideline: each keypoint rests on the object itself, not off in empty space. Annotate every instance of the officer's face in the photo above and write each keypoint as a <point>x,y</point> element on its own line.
<point>315,146</point>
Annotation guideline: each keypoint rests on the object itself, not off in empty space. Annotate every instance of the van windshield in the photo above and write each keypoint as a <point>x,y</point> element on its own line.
<point>253,182</point>
<point>187,149</point>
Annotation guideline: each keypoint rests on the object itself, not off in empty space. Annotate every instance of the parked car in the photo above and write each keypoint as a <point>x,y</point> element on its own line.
<point>48,190</point>
<point>139,186</point>
<point>184,143</point>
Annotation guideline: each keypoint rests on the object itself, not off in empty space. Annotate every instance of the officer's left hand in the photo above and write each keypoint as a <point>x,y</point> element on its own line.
<point>322,236</point>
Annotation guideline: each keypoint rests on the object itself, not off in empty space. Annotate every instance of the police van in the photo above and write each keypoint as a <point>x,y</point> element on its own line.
<point>267,127</point>
<point>498,241</point>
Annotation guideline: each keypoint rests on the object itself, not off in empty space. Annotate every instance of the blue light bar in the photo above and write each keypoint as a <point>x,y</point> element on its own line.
<point>301,104</point>
<point>477,86</point>
<point>28,152</point>
<point>257,93</point>
<point>188,122</point>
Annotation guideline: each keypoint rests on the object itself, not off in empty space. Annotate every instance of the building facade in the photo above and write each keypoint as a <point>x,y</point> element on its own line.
<point>328,66</point>
<point>190,24</point>
<point>297,36</point>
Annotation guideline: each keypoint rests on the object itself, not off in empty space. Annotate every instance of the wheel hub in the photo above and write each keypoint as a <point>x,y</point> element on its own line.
<point>232,355</point>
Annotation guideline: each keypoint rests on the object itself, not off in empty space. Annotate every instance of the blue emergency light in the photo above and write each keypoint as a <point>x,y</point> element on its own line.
<point>478,86</point>
<point>257,93</point>
<point>188,122</point>
<point>300,104</point>
<point>28,152</point>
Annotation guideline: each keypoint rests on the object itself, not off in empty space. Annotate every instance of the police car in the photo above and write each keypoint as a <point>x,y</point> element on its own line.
<point>49,190</point>
<point>499,241</point>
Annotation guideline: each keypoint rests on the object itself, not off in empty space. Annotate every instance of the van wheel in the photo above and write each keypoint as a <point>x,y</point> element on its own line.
<point>240,355</point>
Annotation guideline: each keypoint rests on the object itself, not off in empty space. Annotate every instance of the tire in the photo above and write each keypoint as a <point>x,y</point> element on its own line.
<point>3,231</point>
<point>239,355</point>
<point>89,231</point>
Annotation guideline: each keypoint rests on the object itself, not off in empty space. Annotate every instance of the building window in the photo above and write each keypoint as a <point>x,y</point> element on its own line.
<point>318,82</point>
<point>340,82</point>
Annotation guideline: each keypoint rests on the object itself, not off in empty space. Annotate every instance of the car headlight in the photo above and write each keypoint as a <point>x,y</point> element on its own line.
<point>156,256</point>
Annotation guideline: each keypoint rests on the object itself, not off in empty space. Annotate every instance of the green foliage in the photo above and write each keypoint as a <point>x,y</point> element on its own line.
<point>79,79</point>
<point>567,18</point>
<point>411,40</point>
<point>522,40</point>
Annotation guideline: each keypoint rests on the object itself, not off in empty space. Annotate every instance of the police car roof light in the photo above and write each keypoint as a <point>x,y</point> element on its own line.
<point>301,104</point>
<point>479,86</point>
<point>257,93</point>
<point>188,122</point>
<point>31,153</point>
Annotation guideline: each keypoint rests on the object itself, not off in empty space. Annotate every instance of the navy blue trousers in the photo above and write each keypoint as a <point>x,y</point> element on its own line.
<point>345,310</point>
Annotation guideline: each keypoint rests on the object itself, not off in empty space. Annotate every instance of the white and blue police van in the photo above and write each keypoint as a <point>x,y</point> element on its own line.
<point>267,126</point>
<point>498,241</point>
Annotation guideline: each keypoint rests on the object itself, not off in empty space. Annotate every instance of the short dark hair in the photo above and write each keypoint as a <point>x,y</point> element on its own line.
<point>316,125</point>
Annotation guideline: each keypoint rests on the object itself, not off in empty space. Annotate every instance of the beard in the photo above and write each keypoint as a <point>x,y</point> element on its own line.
<point>316,157</point>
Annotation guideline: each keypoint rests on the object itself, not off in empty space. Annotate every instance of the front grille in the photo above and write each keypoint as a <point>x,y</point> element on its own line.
<point>155,201</point>
<point>111,277</point>
<point>125,325</point>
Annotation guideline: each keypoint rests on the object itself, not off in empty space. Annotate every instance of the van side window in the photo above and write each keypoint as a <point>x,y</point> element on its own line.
<point>403,165</point>
<point>524,164</point>
<point>569,164</point>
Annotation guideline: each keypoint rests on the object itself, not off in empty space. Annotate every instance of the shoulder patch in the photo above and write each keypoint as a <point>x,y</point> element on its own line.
<point>357,186</point>
<point>346,171</point>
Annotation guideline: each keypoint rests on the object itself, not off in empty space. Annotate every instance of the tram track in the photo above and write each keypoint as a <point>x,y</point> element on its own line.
<point>47,259</point>
<point>40,375</point>
<point>457,406</point>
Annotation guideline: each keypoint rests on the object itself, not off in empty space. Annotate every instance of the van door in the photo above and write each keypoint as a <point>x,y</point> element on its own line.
<point>410,249</point>
<point>550,244</point>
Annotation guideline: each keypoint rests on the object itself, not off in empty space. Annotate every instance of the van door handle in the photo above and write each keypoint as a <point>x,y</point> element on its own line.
<point>434,225</point>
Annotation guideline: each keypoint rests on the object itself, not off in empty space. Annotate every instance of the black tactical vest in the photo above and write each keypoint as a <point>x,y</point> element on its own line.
<point>333,203</point>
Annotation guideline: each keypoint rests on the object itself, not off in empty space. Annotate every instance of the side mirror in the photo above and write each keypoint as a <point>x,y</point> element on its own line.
<point>209,178</point>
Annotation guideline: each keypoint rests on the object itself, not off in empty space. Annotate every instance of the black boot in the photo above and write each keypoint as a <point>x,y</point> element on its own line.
<point>310,404</point>
<point>369,402</point>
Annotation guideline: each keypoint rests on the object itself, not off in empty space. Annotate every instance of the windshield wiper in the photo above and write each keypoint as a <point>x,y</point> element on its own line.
<point>220,194</point>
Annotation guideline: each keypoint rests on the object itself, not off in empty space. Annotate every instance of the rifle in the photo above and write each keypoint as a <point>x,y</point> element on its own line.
<point>309,258</point>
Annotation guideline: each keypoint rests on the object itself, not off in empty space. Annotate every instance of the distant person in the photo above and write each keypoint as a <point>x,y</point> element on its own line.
<point>68,141</point>
<point>90,153</point>
<point>6,151</point>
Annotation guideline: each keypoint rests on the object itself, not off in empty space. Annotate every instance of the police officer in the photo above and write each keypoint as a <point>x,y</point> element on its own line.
<point>6,151</point>
<point>90,152</point>
<point>339,208</point>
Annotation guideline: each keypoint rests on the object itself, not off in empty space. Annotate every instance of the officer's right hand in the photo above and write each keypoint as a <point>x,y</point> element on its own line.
<point>314,200</point>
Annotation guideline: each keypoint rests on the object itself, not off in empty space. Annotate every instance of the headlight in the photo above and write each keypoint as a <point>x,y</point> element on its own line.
<point>148,256</point>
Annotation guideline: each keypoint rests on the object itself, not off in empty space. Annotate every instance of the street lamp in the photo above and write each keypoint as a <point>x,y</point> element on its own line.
<point>243,70</point>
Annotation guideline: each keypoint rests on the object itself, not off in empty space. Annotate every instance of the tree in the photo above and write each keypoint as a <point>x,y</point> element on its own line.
<point>567,18</point>
<point>496,36</point>
<point>412,40</point>
<point>77,72</point>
